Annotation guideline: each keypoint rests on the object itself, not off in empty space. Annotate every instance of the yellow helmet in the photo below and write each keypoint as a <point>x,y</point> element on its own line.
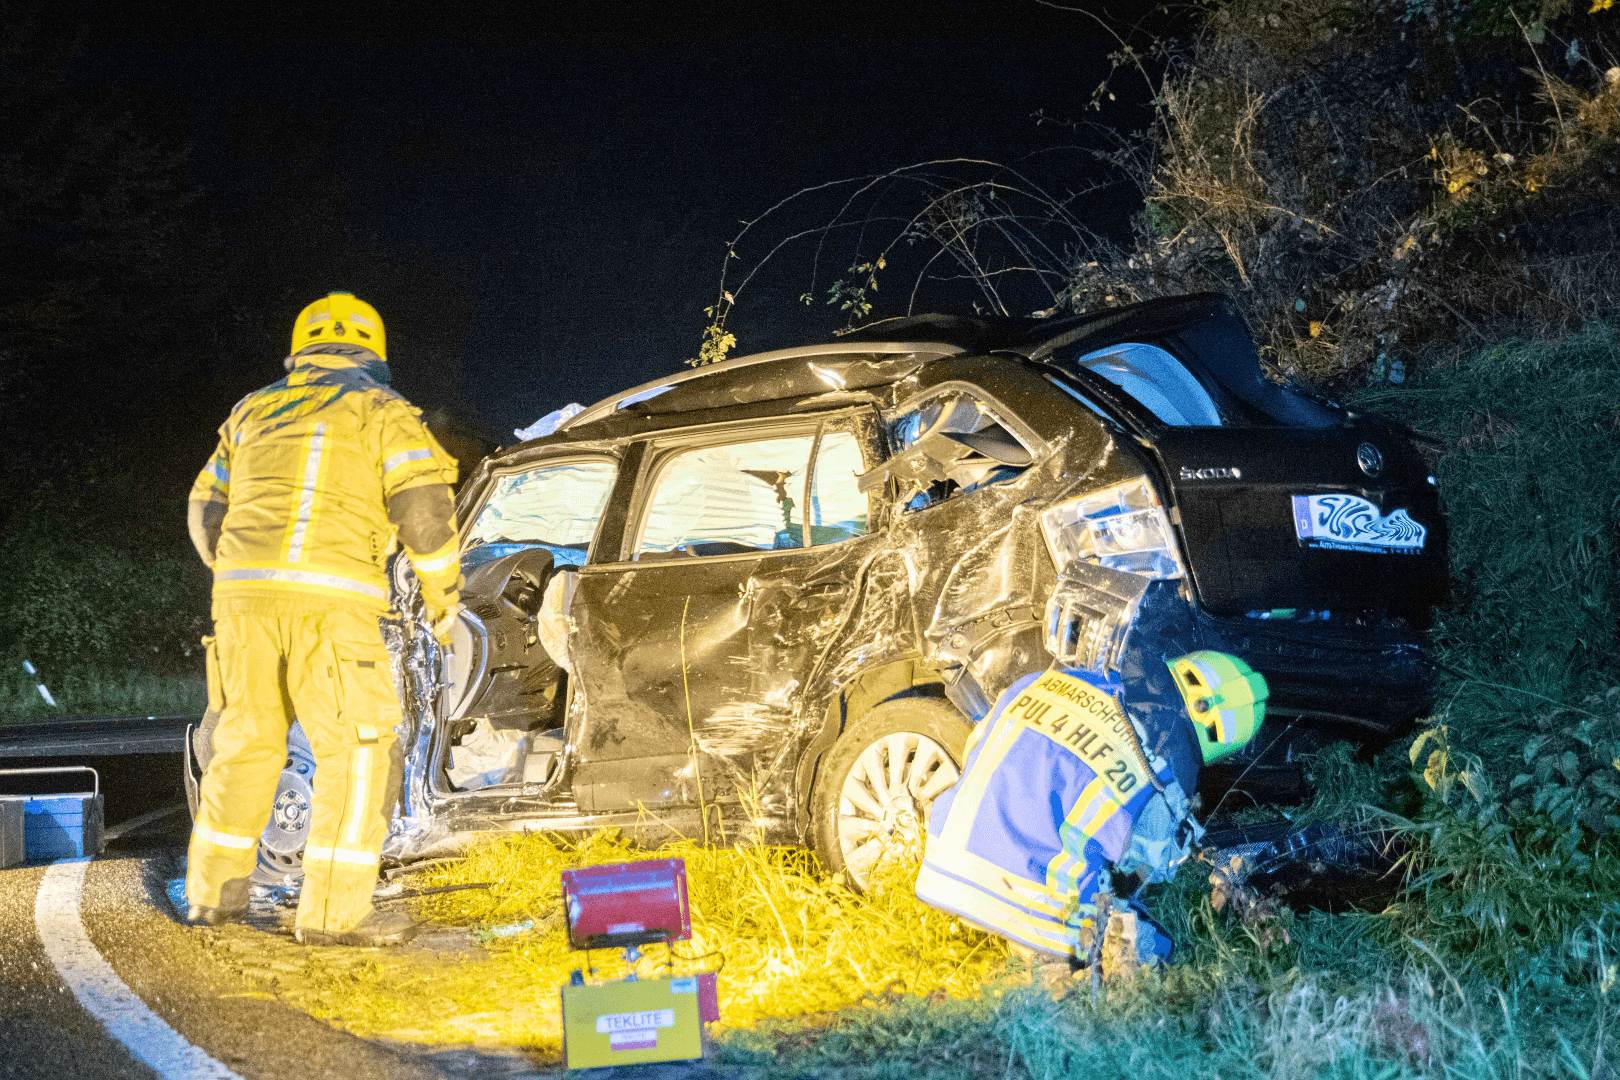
<point>1225,698</point>
<point>340,318</point>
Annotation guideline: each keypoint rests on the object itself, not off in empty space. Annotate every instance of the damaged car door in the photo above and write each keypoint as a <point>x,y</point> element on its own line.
<point>505,695</point>
<point>694,648</point>
<point>979,583</point>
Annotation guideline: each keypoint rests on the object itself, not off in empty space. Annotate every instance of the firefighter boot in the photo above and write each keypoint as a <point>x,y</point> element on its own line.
<point>233,897</point>
<point>377,928</point>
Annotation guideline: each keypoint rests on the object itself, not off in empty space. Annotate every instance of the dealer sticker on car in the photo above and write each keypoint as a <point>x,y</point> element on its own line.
<point>1351,523</point>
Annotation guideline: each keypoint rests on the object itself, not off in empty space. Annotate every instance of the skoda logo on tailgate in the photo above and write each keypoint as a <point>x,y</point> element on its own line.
<point>1210,474</point>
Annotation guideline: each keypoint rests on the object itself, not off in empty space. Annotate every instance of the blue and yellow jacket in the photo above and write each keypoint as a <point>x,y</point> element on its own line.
<point>1052,790</point>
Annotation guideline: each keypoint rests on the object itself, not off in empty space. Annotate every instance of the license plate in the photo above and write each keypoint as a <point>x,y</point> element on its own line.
<point>1351,523</point>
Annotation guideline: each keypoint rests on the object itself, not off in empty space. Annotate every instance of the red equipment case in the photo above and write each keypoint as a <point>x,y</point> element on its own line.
<point>625,904</point>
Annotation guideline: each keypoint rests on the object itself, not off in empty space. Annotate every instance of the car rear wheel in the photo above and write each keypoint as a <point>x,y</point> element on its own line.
<point>281,848</point>
<point>878,784</point>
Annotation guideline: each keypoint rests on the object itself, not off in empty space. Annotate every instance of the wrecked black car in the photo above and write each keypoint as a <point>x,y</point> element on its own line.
<point>768,597</point>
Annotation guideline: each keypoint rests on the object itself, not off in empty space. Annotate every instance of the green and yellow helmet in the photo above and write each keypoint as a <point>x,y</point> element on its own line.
<point>1226,700</point>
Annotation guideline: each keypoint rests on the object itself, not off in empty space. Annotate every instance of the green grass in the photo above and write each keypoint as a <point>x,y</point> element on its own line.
<point>100,693</point>
<point>111,617</point>
<point>1518,875</point>
<point>1530,472</point>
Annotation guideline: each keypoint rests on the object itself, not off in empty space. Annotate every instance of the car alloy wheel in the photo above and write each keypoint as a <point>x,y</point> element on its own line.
<point>281,848</point>
<point>883,804</point>
<point>879,782</point>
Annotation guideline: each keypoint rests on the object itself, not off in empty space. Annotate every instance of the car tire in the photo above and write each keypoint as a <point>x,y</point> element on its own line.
<point>875,787</point>
<point>281,848</point>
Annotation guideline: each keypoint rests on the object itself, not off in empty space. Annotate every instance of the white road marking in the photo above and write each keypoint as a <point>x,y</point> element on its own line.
<point>136,822</point>
<point>98,988</point>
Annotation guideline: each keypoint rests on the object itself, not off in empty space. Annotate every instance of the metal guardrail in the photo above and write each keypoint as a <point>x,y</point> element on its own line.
<point>95,736</point>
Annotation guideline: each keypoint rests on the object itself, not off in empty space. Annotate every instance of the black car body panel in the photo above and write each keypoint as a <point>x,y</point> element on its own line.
<point>1236,493</point>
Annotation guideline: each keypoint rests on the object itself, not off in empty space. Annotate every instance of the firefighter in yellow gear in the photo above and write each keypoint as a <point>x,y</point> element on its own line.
<point>316,480</point>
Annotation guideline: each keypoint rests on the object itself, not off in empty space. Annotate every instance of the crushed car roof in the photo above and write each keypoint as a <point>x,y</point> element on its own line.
<point>809,369</point>
<point>887,350</point>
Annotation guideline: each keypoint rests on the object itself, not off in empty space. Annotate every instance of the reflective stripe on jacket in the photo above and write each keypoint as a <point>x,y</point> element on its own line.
<point>306,467</point>
<point>1049,793</point>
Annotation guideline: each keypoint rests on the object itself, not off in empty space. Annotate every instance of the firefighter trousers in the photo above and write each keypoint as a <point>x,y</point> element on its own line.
<point>329,669</point>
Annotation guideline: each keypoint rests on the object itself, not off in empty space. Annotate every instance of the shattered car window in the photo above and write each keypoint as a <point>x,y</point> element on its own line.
<point>838,508</point>
<point>1157,380</point>
<point>557,506</point>
<point>950,446</point>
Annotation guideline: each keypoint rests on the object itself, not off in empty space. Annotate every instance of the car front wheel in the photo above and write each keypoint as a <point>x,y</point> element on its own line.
<point>879,782</point>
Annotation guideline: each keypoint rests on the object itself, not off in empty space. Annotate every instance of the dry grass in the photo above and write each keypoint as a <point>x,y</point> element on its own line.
<point>1208,177</point>
<point>1581,123</point>
<point>1284,27</point>
<point>790,943</point>
<point>1354,235</point>
<point>789,939</point>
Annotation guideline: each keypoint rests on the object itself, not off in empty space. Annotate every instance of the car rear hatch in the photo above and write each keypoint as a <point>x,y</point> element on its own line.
<point>1284,519</point>
<point>1287,505</point>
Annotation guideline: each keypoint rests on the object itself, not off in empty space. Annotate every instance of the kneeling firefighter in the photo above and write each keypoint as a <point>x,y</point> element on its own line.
<point>1069,786</point>
<point>314,480</point>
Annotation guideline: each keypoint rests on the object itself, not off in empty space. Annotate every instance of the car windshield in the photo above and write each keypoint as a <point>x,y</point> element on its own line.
<point>557,506</point>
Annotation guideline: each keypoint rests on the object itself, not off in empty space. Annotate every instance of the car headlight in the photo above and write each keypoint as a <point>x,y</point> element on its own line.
<point>1122,526</point>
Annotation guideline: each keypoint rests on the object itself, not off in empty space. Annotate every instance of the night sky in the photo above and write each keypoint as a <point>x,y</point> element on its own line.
<point>540,210</point>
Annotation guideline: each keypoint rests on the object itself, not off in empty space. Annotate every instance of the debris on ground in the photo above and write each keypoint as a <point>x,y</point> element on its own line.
<point>1323,866</point>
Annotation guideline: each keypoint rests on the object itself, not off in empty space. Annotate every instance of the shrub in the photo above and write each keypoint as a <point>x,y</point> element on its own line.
<point>110,627</point>
<point>1515,866</point>
<point>1530,473</point>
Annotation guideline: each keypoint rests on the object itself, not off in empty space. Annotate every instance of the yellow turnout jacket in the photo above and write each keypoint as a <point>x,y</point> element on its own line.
<point>306,467</point>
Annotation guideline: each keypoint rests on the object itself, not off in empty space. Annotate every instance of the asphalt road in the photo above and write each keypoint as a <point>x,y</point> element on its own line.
<point>45,1034</point>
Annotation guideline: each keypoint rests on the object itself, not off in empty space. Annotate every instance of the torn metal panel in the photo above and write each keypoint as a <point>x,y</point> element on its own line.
<point>415,662</point>
<point>980,571</point>
<point>713,682</point>
<point>1089,612</point>
<point>788,373</point>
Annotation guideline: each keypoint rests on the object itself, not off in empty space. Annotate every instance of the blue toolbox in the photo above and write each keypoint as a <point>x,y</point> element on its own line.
<point>59,826</point>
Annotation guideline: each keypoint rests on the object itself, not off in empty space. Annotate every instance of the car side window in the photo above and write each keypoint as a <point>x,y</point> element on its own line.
<point>554,506</point>
<point>747,497</point>
<point>950,446</point>
<point>1158,381</point>
<point>838,507</point>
